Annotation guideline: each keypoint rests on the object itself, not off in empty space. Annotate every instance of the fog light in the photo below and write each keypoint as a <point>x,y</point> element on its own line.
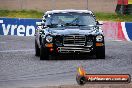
<point>57,49</point>
<point>51,49</point>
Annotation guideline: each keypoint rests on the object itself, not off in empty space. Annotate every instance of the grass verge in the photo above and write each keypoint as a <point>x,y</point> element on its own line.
<point>21,14</point>
<point>113,17</point>
<point>37,14</point>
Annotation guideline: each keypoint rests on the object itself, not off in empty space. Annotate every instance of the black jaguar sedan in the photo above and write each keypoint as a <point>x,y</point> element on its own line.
<point>69,31</point>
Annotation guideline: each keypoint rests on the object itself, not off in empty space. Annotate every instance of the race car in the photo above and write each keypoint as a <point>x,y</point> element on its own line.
<point>69,31</point>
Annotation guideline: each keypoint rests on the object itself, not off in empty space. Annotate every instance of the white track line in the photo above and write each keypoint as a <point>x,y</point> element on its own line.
<point>124,31</point>
<point>24,50</point>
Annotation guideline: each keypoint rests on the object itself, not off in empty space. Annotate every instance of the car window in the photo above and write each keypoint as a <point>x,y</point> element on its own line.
<point>70,19</point>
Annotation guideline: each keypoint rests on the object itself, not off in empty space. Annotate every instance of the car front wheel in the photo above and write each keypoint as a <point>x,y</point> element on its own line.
<point>43,54</point>
<point>100,52</point>
<point>37,49</point>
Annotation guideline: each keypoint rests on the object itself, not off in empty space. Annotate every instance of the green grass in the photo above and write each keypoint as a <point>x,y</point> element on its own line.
<point>36,14</point>
<point>113,17</point>
<point>21,14</point>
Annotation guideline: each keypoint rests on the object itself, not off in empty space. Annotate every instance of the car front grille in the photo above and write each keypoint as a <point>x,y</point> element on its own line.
<point>74,40</point>
<point>73,49</point>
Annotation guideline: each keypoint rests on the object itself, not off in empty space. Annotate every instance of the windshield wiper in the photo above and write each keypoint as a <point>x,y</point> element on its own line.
<point>71,24</point>
<point>54,25</point>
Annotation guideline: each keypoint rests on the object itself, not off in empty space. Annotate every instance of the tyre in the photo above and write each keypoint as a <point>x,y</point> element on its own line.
<point>100,52</point>
<point>37,49</point>
<point>43,54</point>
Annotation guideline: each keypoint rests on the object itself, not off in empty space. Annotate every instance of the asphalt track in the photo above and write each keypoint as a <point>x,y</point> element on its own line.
<point>20,68</point>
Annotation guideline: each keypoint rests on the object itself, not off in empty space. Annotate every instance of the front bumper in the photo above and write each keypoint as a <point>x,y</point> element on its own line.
<point>70,49</point>
<point>74,44</point>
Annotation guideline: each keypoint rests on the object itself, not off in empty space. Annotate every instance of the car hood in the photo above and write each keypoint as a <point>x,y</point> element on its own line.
<point>70,31</point>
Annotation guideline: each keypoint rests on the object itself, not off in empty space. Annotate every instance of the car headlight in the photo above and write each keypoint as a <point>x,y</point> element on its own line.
<point>99,38</point>
<point>49,39</point>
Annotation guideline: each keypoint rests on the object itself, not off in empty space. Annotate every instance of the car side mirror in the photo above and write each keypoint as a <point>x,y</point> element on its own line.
<point>40,23</point>
<point>99,23</point>
<point>41,32</point>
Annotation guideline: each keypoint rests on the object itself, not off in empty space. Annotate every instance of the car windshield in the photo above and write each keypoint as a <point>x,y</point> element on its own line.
<point>70,19</point>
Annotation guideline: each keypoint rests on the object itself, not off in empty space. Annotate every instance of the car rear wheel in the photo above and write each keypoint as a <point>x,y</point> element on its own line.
<point>100,52</point>
<point>37,49</point>
<point>43,54</point>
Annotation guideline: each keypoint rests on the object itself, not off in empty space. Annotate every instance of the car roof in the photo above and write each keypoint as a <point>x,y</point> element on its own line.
<point>68,10</point>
